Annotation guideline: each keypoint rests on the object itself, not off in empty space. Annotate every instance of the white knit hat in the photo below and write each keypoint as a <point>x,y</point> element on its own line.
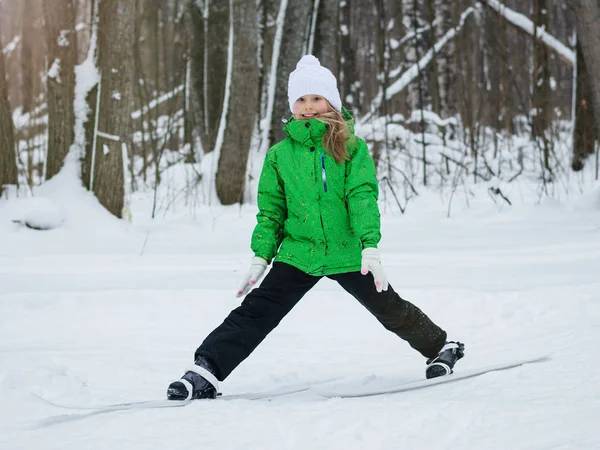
<point>310,77</point>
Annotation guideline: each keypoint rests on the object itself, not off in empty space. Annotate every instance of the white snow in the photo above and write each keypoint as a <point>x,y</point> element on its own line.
<point>36,212</point>
<point>12,45</point>
<point>54,71</point>
<point>102,311</point>
<point>63,39</point>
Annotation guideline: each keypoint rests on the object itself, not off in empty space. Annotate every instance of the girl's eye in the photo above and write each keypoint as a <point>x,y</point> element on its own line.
<point>316,99</point>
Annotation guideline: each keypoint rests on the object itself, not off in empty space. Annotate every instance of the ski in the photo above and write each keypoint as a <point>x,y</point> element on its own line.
<point>164,403</point>
<point>348,391</point>
<point>144,404</point>
<point>323,389</point>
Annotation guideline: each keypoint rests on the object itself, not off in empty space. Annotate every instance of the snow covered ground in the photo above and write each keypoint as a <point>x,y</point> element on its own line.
<point>101,311</point>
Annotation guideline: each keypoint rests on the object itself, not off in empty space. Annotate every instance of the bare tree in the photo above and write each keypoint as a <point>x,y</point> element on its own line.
<point>348,72</point>
<point>243,98</point>
<point>434,70</point>
<point>8,161</point>
<point>583,134</point>
<point>587,16</point>
<point>327,35</point>
<point>208,23</point>
<point>465,60</point>
<point>445,70</point>
<point>398,63</point>
<point>27,64</point>
<point>295,30</point>
<point>499,81</point>
<point>61,40</point>
<point>382,46</point>
<point>414,20</point>
<point>507,64</point>
<point>542,93</point>
<point>91,100</point>
<point>115,61</point>
<point>149,45</point>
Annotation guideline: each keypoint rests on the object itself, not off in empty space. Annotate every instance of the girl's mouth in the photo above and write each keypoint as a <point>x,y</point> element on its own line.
<point>308,115</point>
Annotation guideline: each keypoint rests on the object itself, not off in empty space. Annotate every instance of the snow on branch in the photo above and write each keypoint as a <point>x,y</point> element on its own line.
<point>413,72</point>
<point>157,101</point>
<point>522,22</point>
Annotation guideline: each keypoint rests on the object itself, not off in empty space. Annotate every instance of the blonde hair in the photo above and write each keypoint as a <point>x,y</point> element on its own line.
<point>337,135</point>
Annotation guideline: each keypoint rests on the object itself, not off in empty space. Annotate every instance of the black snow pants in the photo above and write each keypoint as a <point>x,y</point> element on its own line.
<point>264,307</point>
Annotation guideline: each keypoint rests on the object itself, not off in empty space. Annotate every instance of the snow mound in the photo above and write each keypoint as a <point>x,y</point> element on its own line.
<point>39,213</point>
<point>76,220</point>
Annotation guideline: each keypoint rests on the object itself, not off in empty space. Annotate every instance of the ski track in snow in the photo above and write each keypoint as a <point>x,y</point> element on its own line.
<point>84,326</point>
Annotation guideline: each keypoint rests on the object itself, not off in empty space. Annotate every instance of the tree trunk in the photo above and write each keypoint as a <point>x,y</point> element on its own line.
<point>398,64</point>
<point>465,61</point>
<point>382,51</point>
<point>89,125</point>
<point>446,71</point>
<point>209,33</point>
<point>542,93</point>
<point>173,45</point>
<point>348,74</point>
<point>418,95</point>
<point>89,128</point>
<point>195,26</point>
<point>8,160</point>
<point>583,134</point>
<point>215,68</point>
<point>587,16</point>
<point>61,39</point>
<point>327,36</point>
<point>151,33</point>
<point>295,31</point>
<point>433,71</point>
<point>493,45</point>
<point>115,61</point>
<point>243,99</point>
<point>27,63</point>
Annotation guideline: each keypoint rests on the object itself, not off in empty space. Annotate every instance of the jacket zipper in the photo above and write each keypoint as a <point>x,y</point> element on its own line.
<point>324,177</point>
<point>323,174</point>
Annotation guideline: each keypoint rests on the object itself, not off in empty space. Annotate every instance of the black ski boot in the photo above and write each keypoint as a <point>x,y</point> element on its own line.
<point>198,382</point>
<point>443,363</point>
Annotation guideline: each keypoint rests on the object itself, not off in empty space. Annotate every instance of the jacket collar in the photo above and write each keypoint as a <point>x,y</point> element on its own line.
<point>313,130</point>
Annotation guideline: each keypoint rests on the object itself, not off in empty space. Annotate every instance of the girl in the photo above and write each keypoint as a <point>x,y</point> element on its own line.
<point>318,216</point>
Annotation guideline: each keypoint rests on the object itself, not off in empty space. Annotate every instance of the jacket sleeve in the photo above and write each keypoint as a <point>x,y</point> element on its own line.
<point>362,192</point>
<point>272,211</point>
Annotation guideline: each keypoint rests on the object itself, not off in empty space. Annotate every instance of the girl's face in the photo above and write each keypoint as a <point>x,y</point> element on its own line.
<point>309,106</point>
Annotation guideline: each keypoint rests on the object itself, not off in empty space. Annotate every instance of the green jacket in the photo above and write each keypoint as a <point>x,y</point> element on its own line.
<point>314,213</point>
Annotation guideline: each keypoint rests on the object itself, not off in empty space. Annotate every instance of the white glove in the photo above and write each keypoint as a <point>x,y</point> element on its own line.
<point>257,270</point>
<point>371,262</point>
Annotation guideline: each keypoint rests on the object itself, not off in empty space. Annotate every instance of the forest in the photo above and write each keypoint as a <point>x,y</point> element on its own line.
<point>446,94</point>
